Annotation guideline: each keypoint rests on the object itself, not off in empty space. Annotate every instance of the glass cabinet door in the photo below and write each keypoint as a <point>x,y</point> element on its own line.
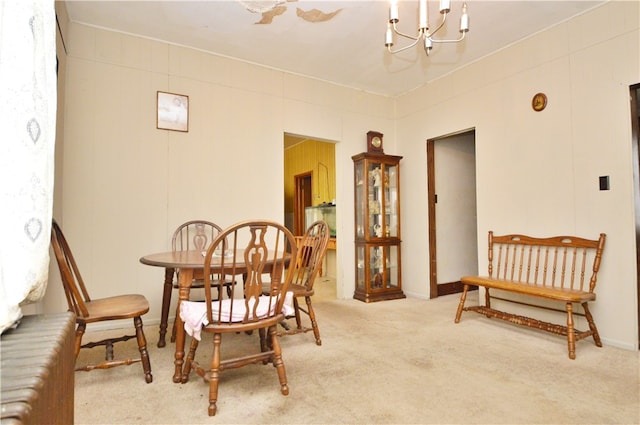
<point>383,200</point>
<point>376,200</point>
<point>391,201</point>
<point>383,267</point>
<point>360,199</point>
<point>361,277</point>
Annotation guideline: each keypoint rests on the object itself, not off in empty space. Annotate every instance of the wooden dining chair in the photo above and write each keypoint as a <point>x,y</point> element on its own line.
<point>312,248</point>
<point>193,235</point>
<point>88,310</point>
<point>252,249</point>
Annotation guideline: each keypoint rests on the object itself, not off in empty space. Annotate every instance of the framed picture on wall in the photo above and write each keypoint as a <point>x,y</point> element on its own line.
<point>173,112</point>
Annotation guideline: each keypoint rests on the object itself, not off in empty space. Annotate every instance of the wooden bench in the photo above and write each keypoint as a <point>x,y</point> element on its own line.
<point>560,268</point>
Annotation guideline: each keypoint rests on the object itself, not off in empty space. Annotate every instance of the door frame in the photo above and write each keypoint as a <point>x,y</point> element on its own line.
<point>634,94</point>
<point>436,290</point>
<point>432,200</point>
<point>302,199</point>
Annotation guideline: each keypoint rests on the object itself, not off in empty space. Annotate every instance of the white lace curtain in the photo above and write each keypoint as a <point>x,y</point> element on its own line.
<point>27,138</point>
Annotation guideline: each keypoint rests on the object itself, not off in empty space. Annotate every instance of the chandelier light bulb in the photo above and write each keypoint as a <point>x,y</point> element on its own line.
<point>393,11</point>
<point>388,40</point>
<point>422,11</point>
<point>428,45</point>
<point>464,19</point>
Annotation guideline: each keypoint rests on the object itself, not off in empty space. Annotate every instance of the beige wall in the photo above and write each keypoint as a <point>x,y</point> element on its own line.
<point>127,185</point>
<point>537,172</point>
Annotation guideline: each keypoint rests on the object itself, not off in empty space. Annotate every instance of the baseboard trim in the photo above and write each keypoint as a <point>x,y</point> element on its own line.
<point>452,288</point>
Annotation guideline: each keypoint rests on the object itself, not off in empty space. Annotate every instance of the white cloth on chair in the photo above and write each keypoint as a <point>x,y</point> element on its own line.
<point>194,313</point>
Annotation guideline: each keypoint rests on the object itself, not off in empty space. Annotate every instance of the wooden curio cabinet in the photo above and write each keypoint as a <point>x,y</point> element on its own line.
<point>377,227</point>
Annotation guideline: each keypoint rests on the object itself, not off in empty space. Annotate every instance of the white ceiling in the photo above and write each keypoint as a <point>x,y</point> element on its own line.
<point>347,49</point>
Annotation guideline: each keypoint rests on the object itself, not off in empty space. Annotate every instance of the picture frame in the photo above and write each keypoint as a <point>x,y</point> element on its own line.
<point>172,111</point>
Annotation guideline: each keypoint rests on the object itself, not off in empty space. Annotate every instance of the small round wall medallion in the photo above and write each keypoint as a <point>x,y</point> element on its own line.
<point>539,102</point>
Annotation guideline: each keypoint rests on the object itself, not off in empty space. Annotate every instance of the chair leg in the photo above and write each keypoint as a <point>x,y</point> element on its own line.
<point>166,302</point>
<point>214,378</point>
<point>277,360</point>
<point>174,327</point>
<point>463,298</point>
<point>78,342</point>
<point>186,369</point>
<point>264,344</point>
<point>314,323</point>
<point>296,308</point>
<point>592,325</point>
<point>108,348</point>
<point>142,346</point>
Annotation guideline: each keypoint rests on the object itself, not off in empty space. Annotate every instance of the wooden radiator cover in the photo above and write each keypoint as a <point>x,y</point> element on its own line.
<point>37,371</point>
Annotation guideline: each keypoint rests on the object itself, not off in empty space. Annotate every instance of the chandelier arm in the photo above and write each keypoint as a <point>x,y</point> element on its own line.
<point>411,37</point>
<point>403,48</point>
<point>450,41</point>
<point>444,18</point>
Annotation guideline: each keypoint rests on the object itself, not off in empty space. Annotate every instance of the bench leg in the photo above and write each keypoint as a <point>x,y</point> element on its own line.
<point>487,298</point>
<point>571,335</point>
<point>592,325</point>
<point>463,298</point>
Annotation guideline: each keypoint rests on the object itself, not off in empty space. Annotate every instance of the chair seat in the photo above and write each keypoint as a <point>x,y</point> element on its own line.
<point>194,314</point>
<point>114,308</point>
<point>300,290</point>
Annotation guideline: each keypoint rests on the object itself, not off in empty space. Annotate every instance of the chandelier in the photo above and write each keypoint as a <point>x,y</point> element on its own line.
<point>424,33</point>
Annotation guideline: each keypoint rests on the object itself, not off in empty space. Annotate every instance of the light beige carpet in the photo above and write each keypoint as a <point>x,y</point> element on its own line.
<point>392,362</point>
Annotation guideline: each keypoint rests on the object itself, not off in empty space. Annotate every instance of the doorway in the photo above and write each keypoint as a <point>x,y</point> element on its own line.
<point>310,189</point>
<point>451,186</point>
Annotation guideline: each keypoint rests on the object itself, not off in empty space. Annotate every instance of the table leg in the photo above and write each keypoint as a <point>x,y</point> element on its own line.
<point>184,283</point>
<point>166,302</point>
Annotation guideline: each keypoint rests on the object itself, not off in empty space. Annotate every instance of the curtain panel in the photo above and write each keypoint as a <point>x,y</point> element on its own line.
<point>28,129</point>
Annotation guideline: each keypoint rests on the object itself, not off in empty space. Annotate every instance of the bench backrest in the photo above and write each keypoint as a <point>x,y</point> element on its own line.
<point>559,261</point>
